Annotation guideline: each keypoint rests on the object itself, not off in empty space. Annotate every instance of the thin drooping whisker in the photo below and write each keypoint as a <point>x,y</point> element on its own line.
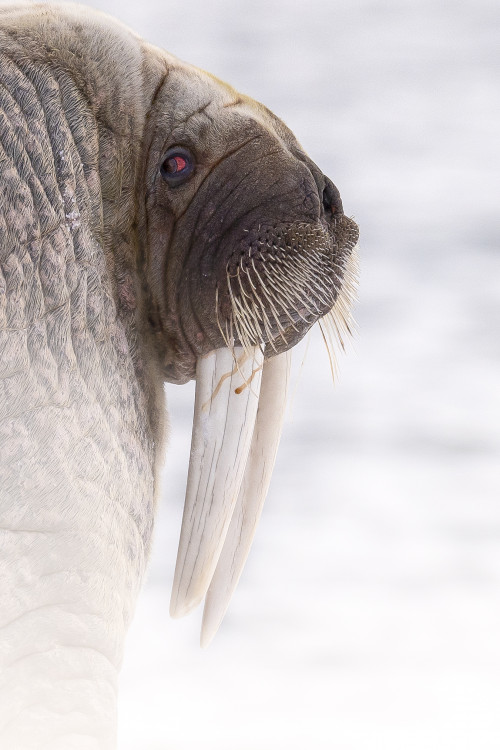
<point>248,310</point>
<point>245,324</point>
<point>329,351</point>
<point>291,302</point>
<point>246,340</point>
<point>333,330</point>
<point>227,339</point>
<point>290,294</point>
<point>335,341</point>
<point>321,292</point>
<point>273,309</point>
<point>285,284</point>
<point>270,299</point>
<point>312,271</point>
<point>282,298</point>
<point>264,319</point>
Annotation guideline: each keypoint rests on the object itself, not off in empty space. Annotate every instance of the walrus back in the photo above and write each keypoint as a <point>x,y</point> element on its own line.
<point>74,414</point>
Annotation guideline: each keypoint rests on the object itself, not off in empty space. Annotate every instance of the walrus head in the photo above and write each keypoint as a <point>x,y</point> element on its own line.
<point>247,247</point>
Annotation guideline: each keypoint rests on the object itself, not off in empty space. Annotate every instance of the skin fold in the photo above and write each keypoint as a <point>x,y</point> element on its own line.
<point>111,282</point>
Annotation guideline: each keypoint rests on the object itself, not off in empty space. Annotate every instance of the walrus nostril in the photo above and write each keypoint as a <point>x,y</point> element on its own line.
<point>331,199</point>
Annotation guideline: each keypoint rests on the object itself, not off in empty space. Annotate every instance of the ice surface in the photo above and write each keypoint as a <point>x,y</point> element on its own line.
<point>369,612</point>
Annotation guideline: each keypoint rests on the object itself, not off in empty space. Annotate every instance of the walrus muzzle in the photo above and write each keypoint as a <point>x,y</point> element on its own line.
<point>278,280</point>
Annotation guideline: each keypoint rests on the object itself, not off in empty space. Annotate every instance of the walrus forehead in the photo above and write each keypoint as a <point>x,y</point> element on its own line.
<point>201,94</point>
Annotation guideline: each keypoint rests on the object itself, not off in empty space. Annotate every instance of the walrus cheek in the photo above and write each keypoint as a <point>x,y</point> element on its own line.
<point>239,407</point>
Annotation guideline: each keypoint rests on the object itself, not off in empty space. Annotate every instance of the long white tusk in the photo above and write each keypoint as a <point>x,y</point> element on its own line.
<point>258,472</point>
<point>227,395</point>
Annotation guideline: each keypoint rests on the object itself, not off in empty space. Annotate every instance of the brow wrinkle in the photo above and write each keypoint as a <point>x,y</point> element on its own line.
<point>196,112</point>
<point>235,103</point>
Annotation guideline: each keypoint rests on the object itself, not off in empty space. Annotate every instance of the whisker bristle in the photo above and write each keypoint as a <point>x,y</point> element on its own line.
<point>287,280</point>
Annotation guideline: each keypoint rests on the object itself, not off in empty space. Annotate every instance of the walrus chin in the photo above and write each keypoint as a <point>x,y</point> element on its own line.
<point>241,394</point>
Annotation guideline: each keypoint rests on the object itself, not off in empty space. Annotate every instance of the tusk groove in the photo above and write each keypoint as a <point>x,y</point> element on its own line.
<point>256,480</point>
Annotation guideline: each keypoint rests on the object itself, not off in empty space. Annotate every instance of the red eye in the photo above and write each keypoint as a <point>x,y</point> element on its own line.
<point>177,166</point>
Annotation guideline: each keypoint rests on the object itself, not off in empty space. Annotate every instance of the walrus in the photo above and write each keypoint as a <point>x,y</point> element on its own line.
<point>156,225</point>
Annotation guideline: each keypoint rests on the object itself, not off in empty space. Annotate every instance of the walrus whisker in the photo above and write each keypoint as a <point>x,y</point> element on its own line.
<point>225,335</point>
<point>331,357</point>
<point>286,310</point>
<point>229,340</point>
<point>281,330</point>
<point>244,312</point>
<point>321,294</point>
<point>247,322</point>
<point>271,303</point>
<point>292,300</point>
<point>276,318</point>
<point>244,325</point>
<point>276,315</point>
<point>335,326</point>
<point>333,336</point>
<point>264,318</point>
<point>333,330</point>
<point>252,311</point>
<point>297,273</point>
<point>310,281</point>
<point>312,268</point>
<point>272,282</point>
<point>247,310</point>
<point>234,299</point>
<point>244,339</point>
<point>240,282</point>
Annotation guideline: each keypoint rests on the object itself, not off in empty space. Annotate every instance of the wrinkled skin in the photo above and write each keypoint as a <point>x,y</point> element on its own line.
<point>112,281</point>
<point>251,173</point>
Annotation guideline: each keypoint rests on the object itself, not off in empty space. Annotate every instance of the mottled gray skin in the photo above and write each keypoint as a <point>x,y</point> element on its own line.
<point>81,402</point>
<point>107,288</point>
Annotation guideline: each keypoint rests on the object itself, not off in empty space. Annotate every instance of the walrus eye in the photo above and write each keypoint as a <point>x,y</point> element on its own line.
<point>177,166</point>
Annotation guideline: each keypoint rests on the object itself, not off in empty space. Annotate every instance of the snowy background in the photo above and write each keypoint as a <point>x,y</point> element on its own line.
<point>368,616</point>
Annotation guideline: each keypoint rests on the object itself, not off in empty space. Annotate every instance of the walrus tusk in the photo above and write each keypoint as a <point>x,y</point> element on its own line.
<point>226,400</point>
<point>256,480</point>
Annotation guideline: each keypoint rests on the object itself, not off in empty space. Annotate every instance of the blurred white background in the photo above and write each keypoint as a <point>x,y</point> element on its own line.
<point>369,612</point>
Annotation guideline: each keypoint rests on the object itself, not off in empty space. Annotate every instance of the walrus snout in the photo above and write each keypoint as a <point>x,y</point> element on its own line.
<point>283,277</point>
<point>250,246</point>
